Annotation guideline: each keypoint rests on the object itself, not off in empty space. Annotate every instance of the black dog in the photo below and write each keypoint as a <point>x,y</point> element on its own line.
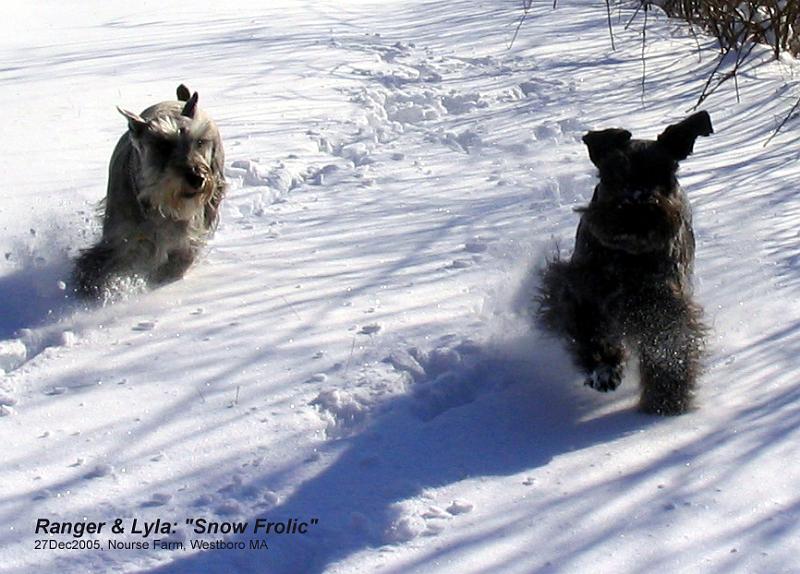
<point>628,282</point>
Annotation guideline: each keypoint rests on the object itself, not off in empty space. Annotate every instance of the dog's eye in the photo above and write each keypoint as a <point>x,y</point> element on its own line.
<point>163,147</point>
<point>201,142</point>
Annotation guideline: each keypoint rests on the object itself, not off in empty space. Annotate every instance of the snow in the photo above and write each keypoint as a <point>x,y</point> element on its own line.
<point>12,354</point>
<point>354,346</point>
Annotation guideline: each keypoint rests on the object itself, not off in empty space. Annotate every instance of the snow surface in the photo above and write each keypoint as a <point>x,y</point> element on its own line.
<point>354,346</point>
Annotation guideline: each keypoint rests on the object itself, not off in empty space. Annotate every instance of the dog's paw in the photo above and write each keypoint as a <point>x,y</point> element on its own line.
<point>605,378</point>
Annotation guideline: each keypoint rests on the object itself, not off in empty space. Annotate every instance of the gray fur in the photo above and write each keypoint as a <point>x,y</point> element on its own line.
<point>165,186</point>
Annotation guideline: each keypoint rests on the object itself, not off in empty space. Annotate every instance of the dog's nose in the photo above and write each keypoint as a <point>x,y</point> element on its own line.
<point>639,196</point>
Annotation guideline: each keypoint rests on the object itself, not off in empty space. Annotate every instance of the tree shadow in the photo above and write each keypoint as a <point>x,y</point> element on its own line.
<point>491,413</point>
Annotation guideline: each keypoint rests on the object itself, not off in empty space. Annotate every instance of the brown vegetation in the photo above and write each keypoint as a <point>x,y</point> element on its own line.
<point>736,23</point>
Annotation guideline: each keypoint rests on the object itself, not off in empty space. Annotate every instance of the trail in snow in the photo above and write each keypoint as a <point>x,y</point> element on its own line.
<point>355,344</point>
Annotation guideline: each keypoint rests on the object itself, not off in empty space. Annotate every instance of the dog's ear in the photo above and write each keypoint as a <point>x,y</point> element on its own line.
<point>183,93</point>
<point>191,107</point>
<point>601,143</point>
<point>211,209</point>
<point>136,124</point>
<point>678,139</point>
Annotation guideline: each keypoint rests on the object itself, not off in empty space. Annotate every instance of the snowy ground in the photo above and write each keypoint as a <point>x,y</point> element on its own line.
<point>354,347</point>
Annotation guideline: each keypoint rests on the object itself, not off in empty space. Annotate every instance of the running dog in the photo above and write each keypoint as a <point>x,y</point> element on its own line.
<point>165,186</point>
<point>628,284</point>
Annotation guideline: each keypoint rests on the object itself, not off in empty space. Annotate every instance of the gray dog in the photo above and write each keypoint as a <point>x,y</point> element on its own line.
<point>165,186</point>
<point>628,283</point>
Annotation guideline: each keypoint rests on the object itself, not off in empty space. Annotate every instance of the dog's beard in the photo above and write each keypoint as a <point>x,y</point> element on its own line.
<point>637,227</point>
<point>172,197</point>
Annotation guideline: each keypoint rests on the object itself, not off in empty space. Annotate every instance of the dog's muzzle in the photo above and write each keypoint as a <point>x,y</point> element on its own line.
<point>637,197</point>
<point>196,182</point>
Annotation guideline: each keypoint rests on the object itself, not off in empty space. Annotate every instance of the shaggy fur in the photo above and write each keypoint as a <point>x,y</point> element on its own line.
<point>165,185</point>
<point>627,286</point>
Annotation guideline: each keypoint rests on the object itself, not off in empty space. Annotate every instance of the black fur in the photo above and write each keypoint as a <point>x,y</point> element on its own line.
<point>628,285</point>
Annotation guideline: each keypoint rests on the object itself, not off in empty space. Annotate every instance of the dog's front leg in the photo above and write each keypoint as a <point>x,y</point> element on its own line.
<point>596,338</point>
<point>175,267</point>
<point>602,356</point>
<point>568,305</point>
<point>670,350</point>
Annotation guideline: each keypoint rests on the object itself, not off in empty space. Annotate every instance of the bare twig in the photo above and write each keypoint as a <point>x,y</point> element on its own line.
<point>786,119</point>
<point>697,41</point>
<point>635,13</point>
<point>736,23</point>
<point>296,314</point>
<point>350,357</point>
<point>644,44</point>
<point>710,78</point>
<point>526,6</point>
<point>740,60</point>
<point>610,29</point>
